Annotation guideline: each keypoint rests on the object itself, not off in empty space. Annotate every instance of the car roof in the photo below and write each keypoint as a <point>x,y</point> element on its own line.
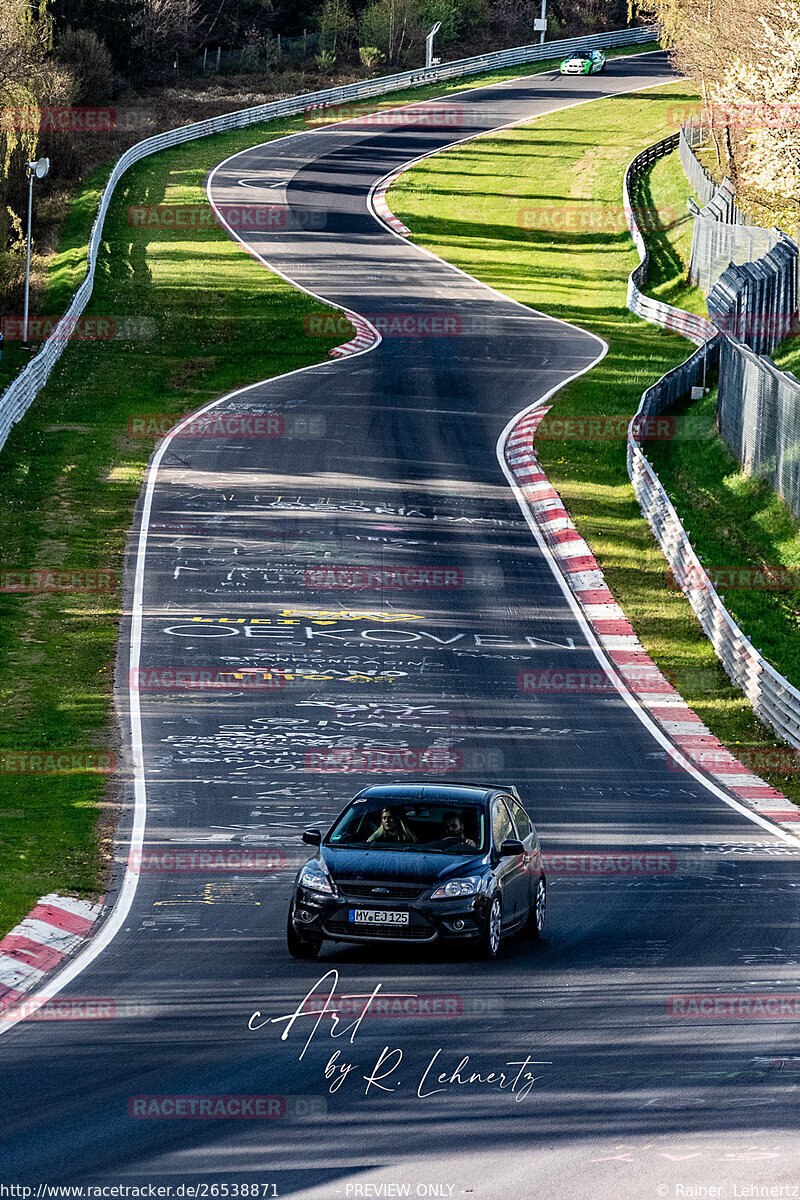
<point>427,790</point>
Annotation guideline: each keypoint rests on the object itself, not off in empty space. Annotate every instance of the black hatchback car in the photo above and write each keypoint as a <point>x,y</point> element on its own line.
<point>421,862</point>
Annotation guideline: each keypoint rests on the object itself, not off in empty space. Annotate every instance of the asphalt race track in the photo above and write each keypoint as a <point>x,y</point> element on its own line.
<point>386,460</point>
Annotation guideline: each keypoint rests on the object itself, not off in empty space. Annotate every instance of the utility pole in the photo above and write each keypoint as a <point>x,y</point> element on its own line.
<point>36,170</point>
<point>540,23</point>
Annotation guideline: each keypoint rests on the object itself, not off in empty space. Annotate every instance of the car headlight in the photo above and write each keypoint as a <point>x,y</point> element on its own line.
<point>458,887</point>
<point>314,878</point>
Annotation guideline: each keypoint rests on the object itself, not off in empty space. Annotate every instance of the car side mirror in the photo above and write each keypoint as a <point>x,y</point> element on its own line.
<point>312,837</point>
<point>511,848</point>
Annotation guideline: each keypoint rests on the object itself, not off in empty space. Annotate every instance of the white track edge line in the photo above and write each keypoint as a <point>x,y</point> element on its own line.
<point>113,923</point>
<point>658,734</point>
<point>589,633</point>
<point>111,926</point>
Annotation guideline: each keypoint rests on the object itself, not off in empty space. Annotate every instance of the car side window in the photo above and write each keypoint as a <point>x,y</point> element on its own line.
<point>502,828</point>
<point>521,820</point>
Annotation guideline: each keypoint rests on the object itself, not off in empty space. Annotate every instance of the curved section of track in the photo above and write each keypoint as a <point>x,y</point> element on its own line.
<point>386,463</point>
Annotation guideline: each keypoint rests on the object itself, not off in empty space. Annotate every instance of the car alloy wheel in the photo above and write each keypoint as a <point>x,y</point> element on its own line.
<point>491,934</point>
<point>539,907</point>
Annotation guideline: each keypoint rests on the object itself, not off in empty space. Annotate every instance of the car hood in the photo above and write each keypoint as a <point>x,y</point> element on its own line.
<point>398,866</point>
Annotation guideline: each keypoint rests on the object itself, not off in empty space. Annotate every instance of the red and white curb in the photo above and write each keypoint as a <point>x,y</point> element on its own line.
<point>380,206</point>
<point>366,337</point>
<point>51,932</point>
<point>664,704</point>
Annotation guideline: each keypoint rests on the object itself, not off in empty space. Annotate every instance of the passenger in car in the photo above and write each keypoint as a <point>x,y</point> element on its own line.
<point>392,828</point>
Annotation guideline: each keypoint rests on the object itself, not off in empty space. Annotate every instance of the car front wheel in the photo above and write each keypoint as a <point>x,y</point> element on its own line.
<point>535,925</point>
<point>490,938</point>
<point>300,947</point>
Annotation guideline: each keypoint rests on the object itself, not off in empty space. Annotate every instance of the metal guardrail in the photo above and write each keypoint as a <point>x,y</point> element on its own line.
<point>773,698</point>
<point>756,304</point>
<point>19,396</point>
<point>696,328</point>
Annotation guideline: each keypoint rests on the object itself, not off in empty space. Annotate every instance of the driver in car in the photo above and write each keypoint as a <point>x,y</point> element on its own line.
<point>454,828</point>
<point>392,828</point>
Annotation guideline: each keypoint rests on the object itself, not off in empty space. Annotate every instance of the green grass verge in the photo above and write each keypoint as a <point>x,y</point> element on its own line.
<point>65,269</point>
<point>667,223</point>
<point>735,521</point>
<point>466,206</point>
<point>72,477</point>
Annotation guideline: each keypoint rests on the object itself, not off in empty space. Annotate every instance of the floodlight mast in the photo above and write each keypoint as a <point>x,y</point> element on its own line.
<point>36,170</point>
<point>430,61</point>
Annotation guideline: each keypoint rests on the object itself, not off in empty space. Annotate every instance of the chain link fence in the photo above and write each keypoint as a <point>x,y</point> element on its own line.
<point>757,302</point>
<point>722,235</point>
<point>772,696</point>
<point>755,305</point>
<point>691,135</point>
<point>758,412</point>
<point>257,56</point>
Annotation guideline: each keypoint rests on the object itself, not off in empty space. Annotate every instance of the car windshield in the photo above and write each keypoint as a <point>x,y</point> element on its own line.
<point>428,828</point>
<point>582,54</point>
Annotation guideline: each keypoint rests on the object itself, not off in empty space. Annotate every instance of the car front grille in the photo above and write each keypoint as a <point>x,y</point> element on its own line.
<point>389,891</point>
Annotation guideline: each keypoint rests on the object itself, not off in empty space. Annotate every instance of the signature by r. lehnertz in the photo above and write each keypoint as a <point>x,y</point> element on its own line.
<point>516,1076</point>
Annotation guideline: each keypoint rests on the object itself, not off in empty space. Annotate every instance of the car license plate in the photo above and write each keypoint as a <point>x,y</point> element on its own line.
<point>378,916</point>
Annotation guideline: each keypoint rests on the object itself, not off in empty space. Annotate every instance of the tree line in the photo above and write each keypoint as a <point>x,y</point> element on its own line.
<point>745,58</point>
<point>62,53</point>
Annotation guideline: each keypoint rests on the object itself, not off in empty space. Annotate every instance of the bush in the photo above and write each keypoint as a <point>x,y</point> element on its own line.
<point>370,56</point>
<point>90,63</point>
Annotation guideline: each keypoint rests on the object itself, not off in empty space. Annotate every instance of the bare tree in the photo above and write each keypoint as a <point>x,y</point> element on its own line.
<point>162,29</point>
